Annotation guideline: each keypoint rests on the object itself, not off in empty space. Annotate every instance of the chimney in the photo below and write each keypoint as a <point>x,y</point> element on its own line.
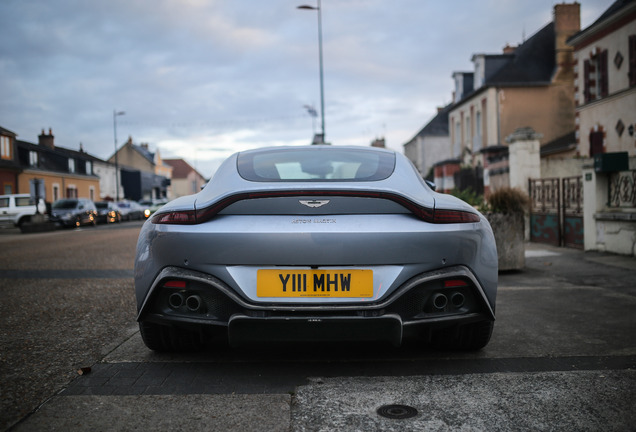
<point>378,142</point>
<point>567,22</point>
<point>509,49</point>
<point>47,141</point>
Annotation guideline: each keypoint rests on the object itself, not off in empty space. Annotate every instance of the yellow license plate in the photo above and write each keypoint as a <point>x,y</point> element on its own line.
<point>314,283</point>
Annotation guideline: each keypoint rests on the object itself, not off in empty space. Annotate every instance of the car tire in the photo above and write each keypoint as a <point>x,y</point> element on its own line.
<point>468,337</point>
<point>163,338</point>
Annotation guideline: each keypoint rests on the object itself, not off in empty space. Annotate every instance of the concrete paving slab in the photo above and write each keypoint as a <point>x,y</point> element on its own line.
<point>190,413</point>
<point>581,401</point>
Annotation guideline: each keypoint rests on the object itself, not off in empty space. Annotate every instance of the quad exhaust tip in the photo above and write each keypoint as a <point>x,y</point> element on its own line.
<point>176,300</point>
<point>440,301</point>
<point>194,303</point>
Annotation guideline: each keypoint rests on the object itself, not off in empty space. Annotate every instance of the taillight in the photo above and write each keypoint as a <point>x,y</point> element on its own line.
<point>436,216</point>
<point>454,216</point>
<point>186,217</point>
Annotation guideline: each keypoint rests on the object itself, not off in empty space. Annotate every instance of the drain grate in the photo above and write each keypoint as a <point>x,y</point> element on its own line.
<point>397,411</point>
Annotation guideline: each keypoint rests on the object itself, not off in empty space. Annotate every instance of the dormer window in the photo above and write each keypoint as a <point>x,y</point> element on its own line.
<point>71,165</point>
<point>6,147</point>
<point>33,158</point>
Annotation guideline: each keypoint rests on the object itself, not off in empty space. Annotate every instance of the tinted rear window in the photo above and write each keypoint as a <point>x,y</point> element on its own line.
<point>315,164</point>
<point>65,204</point>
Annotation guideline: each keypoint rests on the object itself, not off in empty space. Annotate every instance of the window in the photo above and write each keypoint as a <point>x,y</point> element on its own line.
<point>8,188</point>
<point>596,142</point>
<point>595,77</point>
<point>467,134</point>
<point>89,167</point>
<point>33,158</point>
<point>71,165</point>
<point>71,191</point>
<point>316,164</point>
<point>632,61</point>
<point>91,193</point>
<point>458,140</point>
<point>23,201</point>
<point>5,147</point>
<point>4,202</point>
<point>56,192</point>
<point>477,138</point>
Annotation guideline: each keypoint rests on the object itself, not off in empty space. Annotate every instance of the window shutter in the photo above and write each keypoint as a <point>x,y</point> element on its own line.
<point>587,85</point>
<point>603,74</point>
<point>632,60</point>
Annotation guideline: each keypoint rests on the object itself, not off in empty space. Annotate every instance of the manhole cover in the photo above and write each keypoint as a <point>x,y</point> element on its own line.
<point>397,411</point>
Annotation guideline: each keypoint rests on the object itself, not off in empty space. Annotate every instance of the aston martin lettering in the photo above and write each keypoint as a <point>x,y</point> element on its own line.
<point>314,283</point>
<point>314,203</point>
<point>314,221</point>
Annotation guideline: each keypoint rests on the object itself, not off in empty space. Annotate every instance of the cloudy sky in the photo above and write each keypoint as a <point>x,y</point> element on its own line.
<point>201,79</point>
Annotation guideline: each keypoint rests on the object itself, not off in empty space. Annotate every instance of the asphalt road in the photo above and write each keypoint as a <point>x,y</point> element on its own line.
<point>562,356</point>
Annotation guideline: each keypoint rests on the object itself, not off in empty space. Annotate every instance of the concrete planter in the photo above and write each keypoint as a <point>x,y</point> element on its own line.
<point>509,236</point>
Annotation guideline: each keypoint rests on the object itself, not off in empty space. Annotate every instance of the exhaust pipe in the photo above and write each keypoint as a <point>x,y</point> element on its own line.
<point>175,300</point>
<point>440,301</point>
<point>193,303</point>
<point>457,299</point>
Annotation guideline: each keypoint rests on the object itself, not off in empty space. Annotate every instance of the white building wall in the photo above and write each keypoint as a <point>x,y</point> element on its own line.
<point>106,174</point>
<point>619,105</point>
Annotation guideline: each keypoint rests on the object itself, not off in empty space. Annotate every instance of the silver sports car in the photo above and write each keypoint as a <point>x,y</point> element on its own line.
<point>316,243</point>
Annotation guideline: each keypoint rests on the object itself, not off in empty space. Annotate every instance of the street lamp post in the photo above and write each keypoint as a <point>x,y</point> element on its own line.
<point>322,87</point>
<point>115,114</point>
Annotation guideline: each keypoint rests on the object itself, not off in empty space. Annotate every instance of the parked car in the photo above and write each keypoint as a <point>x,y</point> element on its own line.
<point>130,210</point>
<point>145,209</point>
<point>18,208</point>
<point>74,212</point>
<point>153,205</point>
<point>316,243</point>
<point>107,212</point>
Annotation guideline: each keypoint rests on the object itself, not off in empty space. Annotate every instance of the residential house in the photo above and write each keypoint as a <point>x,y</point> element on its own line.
<point>605,56</point>
<point>60,172</point>
<point>528,86</point>
<point>431,144</point>
<point>9,166</point>
<point>185,179</point>
<point>107,180</point>
<point>143,174</point>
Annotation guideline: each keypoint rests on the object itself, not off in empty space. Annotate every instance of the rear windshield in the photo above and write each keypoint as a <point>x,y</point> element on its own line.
<point>65,204</point>
<point>315,164</point>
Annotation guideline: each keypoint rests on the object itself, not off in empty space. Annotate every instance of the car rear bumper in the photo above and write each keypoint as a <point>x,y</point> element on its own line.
<point>204,303</point>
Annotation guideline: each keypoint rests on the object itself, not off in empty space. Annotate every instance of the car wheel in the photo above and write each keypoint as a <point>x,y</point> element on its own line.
<point>468,337</point>
<point>162,338</point>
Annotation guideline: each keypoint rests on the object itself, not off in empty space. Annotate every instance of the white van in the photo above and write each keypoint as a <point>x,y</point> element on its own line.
<point>18,208</point>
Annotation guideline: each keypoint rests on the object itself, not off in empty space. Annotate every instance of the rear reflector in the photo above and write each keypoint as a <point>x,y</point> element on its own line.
<point>175,284</point>
<point>455,283</point>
